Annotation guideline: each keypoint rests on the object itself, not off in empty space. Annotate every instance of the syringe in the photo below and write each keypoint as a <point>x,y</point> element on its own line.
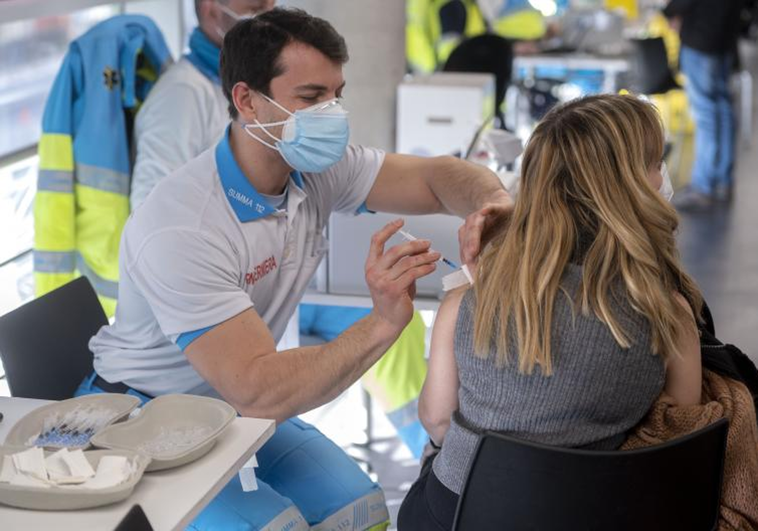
<point>410,237</point>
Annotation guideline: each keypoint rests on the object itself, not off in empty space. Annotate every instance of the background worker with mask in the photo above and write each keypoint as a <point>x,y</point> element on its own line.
<point>185,112</point>
<point>214,262</point>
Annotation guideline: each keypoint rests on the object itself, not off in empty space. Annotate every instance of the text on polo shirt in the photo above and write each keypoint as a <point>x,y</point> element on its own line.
<point>260,271</point>
<point>245,200</point>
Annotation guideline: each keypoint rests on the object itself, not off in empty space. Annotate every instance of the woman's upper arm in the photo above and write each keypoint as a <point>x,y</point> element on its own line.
<point>439,397</point>
<point>684,373</point>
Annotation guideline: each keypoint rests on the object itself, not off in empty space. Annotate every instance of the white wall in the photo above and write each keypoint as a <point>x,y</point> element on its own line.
<point>375,35</point>
<point>168,15</point>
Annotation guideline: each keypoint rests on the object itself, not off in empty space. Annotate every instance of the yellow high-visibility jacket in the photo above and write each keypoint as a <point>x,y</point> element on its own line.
<point>82,199</point>
<point>435,27</point>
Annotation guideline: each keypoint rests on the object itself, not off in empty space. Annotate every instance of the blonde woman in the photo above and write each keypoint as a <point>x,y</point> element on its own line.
<point>581,313</point>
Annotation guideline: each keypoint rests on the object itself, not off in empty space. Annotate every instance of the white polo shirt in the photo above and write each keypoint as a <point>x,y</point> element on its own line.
<point>206,246</point>
<point>184,114</point>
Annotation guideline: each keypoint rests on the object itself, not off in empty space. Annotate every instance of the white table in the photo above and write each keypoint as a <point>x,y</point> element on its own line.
<point>361,301</point>
<point>170,498</point>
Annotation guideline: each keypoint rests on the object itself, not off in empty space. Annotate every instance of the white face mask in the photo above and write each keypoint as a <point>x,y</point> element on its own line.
<point>232,14</point>
<point>666,189</point>
<point>313,139</point>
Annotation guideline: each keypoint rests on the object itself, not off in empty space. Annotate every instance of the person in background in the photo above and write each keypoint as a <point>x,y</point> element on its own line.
<point>217,257</point>
<point>186,112</point>
<point>435,27</point>
<point>580,314</point>
<point>709,30</point>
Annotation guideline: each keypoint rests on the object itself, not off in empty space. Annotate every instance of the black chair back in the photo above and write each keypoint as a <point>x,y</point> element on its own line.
<point>44,343</point>
<point>488,54</point>
<point>651,67</point>
<point>517,485</point>
<point>135,520</point>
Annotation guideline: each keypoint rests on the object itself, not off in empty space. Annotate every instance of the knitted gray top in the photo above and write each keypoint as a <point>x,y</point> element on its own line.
<point>597,391</point>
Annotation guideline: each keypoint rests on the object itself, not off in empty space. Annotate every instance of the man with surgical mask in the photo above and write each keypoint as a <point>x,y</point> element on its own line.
<point>215,261</point>
<point>185,112</point>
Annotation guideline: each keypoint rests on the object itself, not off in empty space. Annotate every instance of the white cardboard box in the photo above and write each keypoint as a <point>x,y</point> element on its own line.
<point>439,114</point>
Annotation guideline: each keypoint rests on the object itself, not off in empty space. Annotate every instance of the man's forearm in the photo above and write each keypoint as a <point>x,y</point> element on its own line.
<point>463,187</point>
<point>294,381</point>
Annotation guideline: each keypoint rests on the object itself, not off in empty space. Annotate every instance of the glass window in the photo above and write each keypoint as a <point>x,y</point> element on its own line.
<point>32,51</point>
<point>18,185</point>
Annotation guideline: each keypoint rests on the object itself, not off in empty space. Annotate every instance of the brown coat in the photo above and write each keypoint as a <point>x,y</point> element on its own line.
<point>722,398</point>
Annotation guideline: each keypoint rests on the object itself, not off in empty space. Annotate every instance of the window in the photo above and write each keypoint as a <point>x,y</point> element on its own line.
<point>18,184</point>
<point>32,54</point>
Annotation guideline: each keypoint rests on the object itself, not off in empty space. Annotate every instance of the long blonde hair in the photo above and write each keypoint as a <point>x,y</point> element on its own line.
<point>585,178</point>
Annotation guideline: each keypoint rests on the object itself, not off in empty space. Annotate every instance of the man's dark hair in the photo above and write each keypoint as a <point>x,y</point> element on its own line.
<point>252,48</point>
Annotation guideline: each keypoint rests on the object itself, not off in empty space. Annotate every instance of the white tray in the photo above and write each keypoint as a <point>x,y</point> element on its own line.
<point>31,424</point>
<point>171,429</point>
<point>69,498</point>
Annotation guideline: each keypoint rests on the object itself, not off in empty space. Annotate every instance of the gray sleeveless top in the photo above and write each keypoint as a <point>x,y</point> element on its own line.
<point>597,391</point>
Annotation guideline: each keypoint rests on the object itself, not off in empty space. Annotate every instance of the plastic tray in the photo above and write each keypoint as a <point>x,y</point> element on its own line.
<point>171,429</point>
<point>69,498</point>
<point>31,424</point>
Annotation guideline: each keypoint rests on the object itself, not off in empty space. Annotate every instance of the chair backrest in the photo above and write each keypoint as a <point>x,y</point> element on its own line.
<point>518,485</point>
<point>135,520</point>
<point>44,343</point>
<point>651,67</point>
<point>486,54</point>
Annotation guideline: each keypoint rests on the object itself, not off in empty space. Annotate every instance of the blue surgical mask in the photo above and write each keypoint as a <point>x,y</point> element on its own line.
<point>313,139</point>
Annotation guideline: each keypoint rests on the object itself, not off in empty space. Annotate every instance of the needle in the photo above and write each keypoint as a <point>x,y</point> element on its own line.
<point>410,237</point>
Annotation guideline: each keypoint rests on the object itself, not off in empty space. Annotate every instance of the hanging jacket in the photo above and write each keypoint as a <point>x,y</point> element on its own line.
<point>722,397</point>
<point>435,27</point>
<point>82,199</point>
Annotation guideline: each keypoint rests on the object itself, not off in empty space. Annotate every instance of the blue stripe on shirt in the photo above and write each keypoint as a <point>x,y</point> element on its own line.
<point>183,340</point>
<point>363,209</point>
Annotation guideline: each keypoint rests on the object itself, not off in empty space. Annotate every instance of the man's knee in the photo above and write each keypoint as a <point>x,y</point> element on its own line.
<point>328,487</point>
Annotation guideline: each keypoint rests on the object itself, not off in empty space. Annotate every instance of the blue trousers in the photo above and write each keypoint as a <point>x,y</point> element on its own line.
<point>305,481</point>
<point>712,109</point>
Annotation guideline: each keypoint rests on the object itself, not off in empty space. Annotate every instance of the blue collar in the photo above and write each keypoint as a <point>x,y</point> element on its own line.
<point>244,199</point>
<point>204,55</point>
